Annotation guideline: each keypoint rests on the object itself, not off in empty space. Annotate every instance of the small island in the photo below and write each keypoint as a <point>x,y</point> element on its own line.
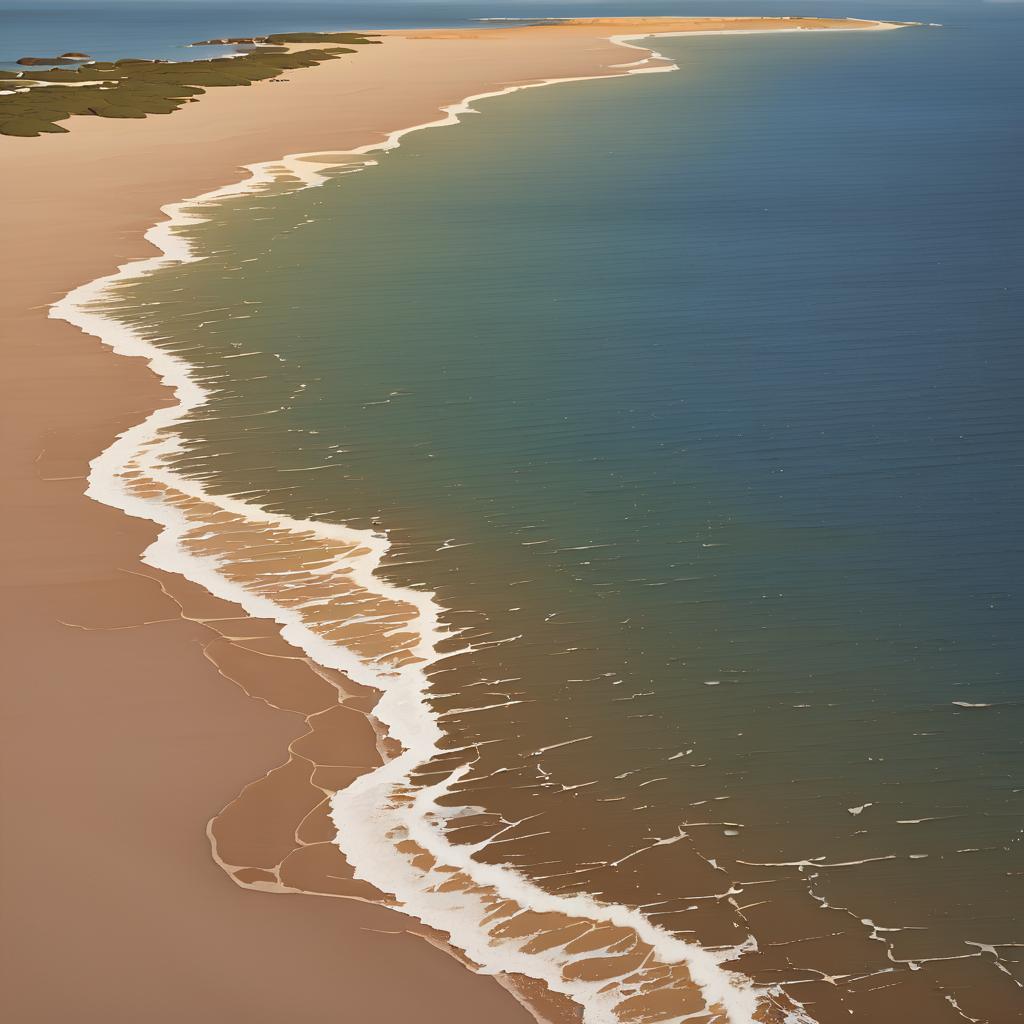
<point>64,58</point>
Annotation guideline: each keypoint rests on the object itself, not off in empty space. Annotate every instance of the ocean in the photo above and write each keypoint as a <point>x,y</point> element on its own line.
<point>684,414</point>
<point>164,29</point>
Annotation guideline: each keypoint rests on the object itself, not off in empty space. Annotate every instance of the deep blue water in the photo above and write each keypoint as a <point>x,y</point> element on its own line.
<point>716,378</point>
<point>109,29</point>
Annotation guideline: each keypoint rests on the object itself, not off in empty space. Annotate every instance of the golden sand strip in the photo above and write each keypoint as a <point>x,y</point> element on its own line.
<point>123,737</point>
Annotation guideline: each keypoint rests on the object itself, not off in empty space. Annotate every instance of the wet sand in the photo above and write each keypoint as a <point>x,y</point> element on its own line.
<point>138,705</point>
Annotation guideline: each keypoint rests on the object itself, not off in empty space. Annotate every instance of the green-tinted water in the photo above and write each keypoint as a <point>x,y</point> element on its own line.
<point>695,400</point>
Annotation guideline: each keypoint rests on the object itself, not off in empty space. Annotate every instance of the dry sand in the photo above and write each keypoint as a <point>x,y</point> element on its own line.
<point>135,704</point>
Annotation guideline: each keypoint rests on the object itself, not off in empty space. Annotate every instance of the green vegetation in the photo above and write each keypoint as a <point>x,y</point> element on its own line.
<point>135,88</point>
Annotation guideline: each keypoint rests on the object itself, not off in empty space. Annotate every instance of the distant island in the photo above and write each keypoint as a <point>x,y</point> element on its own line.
<point>64,58</point>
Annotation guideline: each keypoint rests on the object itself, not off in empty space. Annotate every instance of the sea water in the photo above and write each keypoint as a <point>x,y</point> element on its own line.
<point>694,400</point>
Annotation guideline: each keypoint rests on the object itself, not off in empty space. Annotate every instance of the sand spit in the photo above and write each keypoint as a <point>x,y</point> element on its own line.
<point>122,666</point>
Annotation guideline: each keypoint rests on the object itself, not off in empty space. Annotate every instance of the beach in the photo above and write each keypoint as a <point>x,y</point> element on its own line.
<point>146,704</point>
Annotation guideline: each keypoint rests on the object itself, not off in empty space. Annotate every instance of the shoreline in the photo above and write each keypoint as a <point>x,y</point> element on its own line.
<point>161,552</point>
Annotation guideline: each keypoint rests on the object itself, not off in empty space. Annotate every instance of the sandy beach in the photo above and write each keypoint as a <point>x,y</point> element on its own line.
<point>139,705</point>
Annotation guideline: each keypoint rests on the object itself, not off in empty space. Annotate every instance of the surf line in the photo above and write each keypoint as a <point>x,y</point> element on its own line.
<point>365,809</point>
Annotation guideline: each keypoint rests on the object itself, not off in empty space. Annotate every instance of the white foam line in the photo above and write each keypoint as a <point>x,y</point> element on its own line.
<point>363,812</point>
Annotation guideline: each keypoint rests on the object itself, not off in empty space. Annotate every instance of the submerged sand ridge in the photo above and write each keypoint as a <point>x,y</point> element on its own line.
<point>276,835</point>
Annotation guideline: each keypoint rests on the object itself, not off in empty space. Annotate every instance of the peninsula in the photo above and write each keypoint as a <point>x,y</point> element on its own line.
<point>148,707</point>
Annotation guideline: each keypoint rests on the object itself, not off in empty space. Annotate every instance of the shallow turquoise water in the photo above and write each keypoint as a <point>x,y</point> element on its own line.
<point>702,393</point>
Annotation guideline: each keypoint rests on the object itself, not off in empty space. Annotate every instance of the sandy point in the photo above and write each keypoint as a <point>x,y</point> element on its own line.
<point>137,705</point>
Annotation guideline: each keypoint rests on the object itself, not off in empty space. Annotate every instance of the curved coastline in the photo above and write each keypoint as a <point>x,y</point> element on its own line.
<point>398,674</point>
